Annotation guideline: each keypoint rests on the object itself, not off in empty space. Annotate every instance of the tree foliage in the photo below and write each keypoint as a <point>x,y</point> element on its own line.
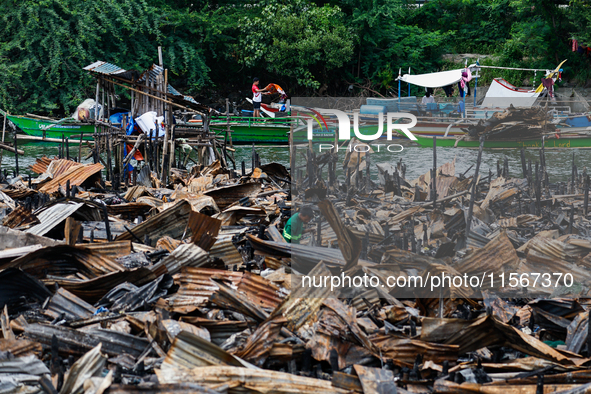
<point>308,46</point>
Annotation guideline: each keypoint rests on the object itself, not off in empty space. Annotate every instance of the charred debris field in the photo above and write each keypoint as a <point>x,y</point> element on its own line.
<point>185,284</point>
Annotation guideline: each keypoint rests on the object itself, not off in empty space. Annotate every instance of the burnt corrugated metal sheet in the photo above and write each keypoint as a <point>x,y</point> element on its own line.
<point>219,331</point>
<point>111,250</point>
<point>92,290</point>
<point>186,255</point>
<point>225,196</point>
<point>405,350</point>
<point>497,253</point>
<point>40,165</point>
<point>263,380</point>
<point>21,216</point>
<point>16,285</point>
<point>189,351</point>
<point>63,261</point>
<point>224,249</point>
<point>78,342</point>
<point>204,228</point>
<point>20,347</point>
<point>171,222</point>
<point>155,388</point>
<point>260,291</point>
<point>68,306</point>
<point>77,175</point>
<point>60,166</point>
<point>196,286</point>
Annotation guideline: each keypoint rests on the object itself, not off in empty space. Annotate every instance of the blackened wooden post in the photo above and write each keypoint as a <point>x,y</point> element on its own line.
<point>538,190</point>
<point>15,153</point>
<point>67,149</point>
<point>572,183</point>
<point>473,193</point>
<point>571,219</point>
<point>107,226</point>
<point>244,168</point>
<point>523,165</point>
<point>110,167</point>
<point>80,149</point>
<point>134,176</point>
<point>319,234</point>
<point>434,178</point>
<point>368,174</point>
<point>586,197</point>
<point>68,188</point>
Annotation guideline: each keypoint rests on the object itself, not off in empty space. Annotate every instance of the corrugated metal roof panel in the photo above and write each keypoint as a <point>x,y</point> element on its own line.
<point>102,67</point>
<point>76,175</point>
<point>186,255</point>
<point>53,216</point>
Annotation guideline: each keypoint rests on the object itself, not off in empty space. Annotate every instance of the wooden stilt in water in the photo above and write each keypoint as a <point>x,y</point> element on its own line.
<point>472,194</point>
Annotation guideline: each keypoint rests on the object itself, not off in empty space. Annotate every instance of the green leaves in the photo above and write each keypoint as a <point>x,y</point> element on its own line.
<point>296,40</point>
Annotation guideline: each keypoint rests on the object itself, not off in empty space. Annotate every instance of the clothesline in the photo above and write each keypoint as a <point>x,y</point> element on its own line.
<point>514,68</point>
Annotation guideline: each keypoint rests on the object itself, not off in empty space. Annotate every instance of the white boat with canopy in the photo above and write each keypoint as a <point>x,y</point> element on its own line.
<point>501,94</point>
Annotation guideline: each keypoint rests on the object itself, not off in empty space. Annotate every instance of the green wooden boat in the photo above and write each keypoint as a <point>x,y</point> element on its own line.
<point>551,142</point>
<point>52,128</point>
<point>269,131</point>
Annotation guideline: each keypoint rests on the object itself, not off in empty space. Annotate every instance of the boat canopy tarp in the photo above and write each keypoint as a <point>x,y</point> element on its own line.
<point>436,80</point>
<point>502,94</point>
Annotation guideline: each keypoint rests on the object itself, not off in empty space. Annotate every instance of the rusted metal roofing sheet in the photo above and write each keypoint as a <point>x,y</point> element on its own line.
<point>20,347</point>
<point>77,175</point>
<point>21,216</point>
<point>497,253</point>
<point>189,351</point>
<point>63,261</point>
<point>40,165</point>
<point>186,255</point>
<point>59,166</point>
<point>219,331</point>
<point>111,250</point>
<point>171,222</point>
<point>196,286</point>
<point>264,380</point>
<point>224,249</point>
<point>261,291</point>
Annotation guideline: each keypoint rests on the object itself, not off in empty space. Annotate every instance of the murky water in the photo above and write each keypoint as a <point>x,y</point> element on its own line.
<point>417,160</point>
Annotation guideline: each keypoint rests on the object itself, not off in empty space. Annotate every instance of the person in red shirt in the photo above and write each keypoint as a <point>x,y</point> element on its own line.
<point>257,97</point>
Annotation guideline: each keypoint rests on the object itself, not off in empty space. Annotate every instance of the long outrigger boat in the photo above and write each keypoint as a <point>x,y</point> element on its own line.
<point>550,142</point>
<point>48,128</point>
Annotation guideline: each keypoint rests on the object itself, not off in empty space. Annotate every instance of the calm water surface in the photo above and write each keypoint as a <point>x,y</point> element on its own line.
<point>417,160</point>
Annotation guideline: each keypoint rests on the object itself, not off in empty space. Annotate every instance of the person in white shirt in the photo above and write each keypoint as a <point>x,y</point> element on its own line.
<point>428,99</point>
<point>257,97</point>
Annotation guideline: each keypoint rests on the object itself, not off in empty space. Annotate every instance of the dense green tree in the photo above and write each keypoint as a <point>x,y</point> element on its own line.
<point>296,40</point>
<point>45,44</point>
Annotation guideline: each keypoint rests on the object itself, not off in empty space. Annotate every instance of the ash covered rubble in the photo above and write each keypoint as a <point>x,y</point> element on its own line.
<point>189,286</point>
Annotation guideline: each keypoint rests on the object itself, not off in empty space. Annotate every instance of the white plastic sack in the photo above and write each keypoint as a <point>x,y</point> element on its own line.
<point>150,121</point>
